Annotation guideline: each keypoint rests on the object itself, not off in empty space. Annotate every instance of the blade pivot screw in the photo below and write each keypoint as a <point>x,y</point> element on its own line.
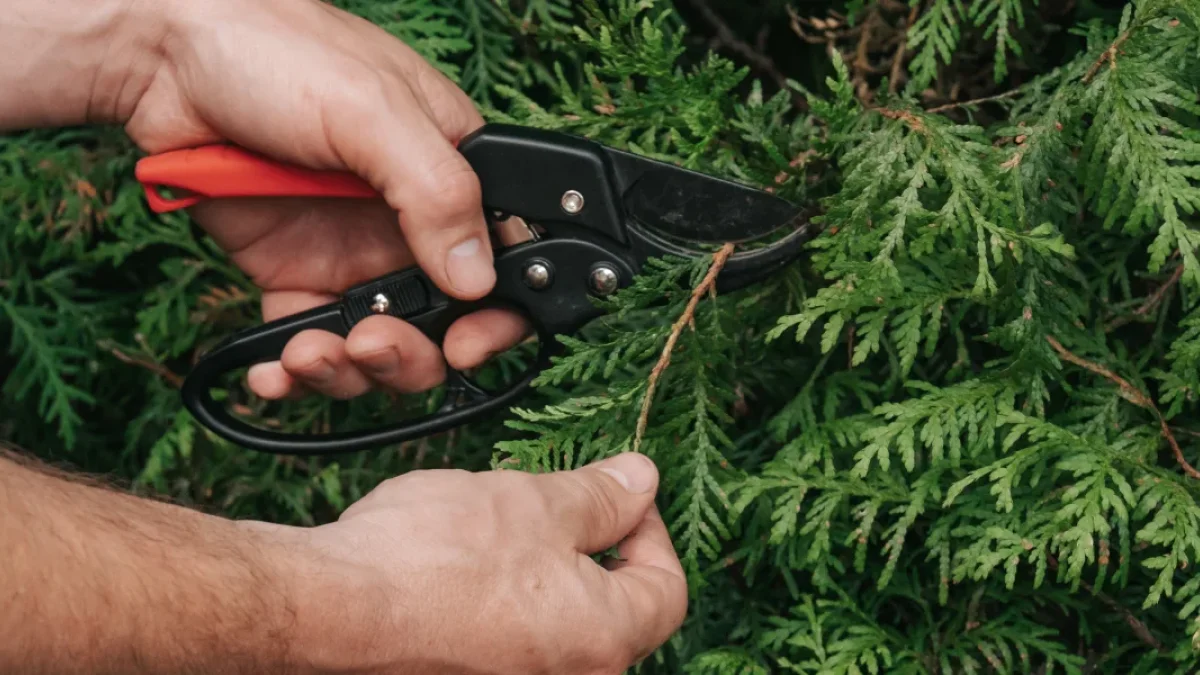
<point>572,202</point>
<point>604,280</point>
<point>381,304</point>
<point>538,275</point>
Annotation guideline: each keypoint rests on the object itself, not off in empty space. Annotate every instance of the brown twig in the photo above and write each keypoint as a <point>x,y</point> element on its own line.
<point>162,371</point>
<point>898,58</point>
<point>1158,296</point>
<point>831,30</point>
<point>762,62</point>
<point>975,101</point>
<point>905,116</point>
<point>861,62</point>
<point>1139,629</point>
<point>1109,55</point>
<point>1129,393</point>
<point>685,319</point>
<point>861,65</point>
<point>1189,432</point>
<point>1153,301</point>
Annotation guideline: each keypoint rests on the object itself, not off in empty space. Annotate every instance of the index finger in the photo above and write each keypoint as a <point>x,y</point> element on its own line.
<point>650,585</point>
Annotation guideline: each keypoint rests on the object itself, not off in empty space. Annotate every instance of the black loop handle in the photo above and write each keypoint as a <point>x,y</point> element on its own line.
<point>559,306</point>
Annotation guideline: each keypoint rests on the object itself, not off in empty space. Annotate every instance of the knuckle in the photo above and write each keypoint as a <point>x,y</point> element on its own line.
<point>354,107</point>
<point>361,91</point>
<point>354,111</point>
<point>401,484</point>
<point>452,187</point>
<point>388,491</point>
<point>424,483</point>
<point>453,110</point>
<point>600,506</point>
<point>518,496</point>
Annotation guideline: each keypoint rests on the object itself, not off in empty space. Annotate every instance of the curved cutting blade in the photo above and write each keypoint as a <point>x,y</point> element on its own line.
<point>697,207</point>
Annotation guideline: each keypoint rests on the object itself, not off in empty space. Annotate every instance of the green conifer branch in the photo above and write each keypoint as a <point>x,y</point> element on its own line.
<point>951,438</point>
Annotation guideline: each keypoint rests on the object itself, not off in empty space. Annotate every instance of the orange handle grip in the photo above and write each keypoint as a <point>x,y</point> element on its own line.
<point>215,171</point>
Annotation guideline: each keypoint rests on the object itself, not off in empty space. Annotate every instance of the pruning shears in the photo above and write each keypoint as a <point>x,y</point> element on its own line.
<point>600,213</point>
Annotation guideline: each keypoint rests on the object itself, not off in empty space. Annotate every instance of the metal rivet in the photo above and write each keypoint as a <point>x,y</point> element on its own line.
<point>381,304</point>
<point>572,202</point>
<point>537,275</point>
<point>604,280</point>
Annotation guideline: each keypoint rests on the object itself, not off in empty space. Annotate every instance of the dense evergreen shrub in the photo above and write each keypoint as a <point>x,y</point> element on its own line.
<point>958,436</point>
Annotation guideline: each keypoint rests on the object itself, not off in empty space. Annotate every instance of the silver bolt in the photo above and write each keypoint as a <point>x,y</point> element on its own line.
<point>381,304</point>
<point>537,276</point>
<point>572,202</point>
<point>604,280</point>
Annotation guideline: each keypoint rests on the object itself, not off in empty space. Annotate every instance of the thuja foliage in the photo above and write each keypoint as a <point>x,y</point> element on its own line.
<point>956,436</point>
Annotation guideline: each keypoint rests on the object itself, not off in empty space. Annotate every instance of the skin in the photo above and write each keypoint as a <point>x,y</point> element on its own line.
<point>434,571</point>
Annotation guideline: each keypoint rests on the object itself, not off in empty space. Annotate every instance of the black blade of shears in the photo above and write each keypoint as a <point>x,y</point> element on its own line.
<point>696,207</point>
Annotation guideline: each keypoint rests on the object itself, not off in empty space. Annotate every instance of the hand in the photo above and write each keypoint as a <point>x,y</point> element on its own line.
<point>312,85</point>
<point>454,572</point>
<point>432,572</point>
<point>437,572</point>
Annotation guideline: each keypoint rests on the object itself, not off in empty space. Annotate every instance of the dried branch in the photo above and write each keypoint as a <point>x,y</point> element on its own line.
<point>1157,298</point>
<point>706,286</point>
<point>975,101</point>
<point>1109,55</point>
<point>1151,303</point>
<point>1188,432</point>
<point>1129,393</point>
<point>162,371</point>
<point>861,65</point>
<point>898,58</point>
<point>850,334</point>
<point>756,58</point>
<point>1139,628</point>
<point>832,29</point>
<point>905,116</point>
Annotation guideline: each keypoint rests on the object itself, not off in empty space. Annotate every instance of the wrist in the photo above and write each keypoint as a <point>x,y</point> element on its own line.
<point>342,614</point>
<point>75,62</point>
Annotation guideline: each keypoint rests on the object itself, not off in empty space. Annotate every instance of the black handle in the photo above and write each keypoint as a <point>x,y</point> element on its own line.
<point>561,305</point>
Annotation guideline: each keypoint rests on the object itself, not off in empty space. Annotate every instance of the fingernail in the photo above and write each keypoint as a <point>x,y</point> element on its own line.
<point>322,371</point>
<point>635,472</point>
<point>470,268</point>
<point>261,369</point>
<point>264,382</point>
<point>383,361</point>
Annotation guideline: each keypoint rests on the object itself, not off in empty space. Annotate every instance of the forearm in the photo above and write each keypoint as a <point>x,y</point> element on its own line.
<point>96,581</point>
<point>70,62</point>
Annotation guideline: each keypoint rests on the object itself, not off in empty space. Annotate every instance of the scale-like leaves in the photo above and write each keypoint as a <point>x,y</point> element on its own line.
<point>957,435</point>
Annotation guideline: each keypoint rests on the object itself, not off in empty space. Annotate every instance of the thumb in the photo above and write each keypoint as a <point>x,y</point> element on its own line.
<point>422,175</point>
<point>597,506</point>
